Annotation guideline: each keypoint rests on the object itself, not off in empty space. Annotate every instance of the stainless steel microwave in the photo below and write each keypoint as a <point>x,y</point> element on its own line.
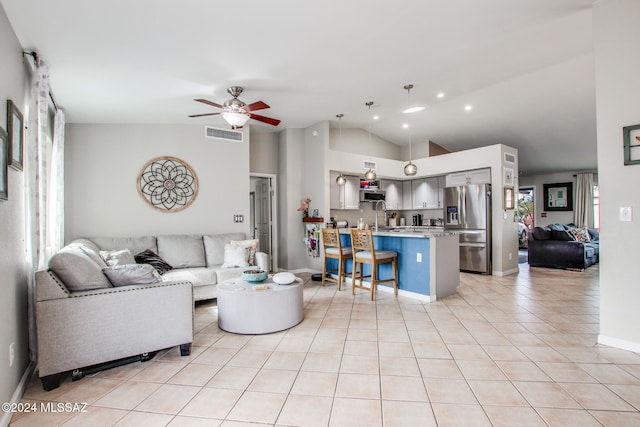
<point>371,195</point>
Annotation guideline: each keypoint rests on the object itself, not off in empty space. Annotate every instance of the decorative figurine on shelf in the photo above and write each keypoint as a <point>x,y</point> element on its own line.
<point>304,207</point>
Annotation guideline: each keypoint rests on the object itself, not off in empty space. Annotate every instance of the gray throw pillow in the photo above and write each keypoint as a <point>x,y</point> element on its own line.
<point>121,257</point>
<point>77,270</point>
<point>132,274</point>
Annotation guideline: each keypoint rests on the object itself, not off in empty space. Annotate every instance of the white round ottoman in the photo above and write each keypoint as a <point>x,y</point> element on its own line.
<point>244,309</point>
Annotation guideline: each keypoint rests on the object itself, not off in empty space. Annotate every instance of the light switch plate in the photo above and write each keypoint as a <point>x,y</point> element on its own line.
<point>626,214</point>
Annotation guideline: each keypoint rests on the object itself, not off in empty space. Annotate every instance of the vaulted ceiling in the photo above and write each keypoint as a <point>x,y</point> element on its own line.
<point>525,67</point>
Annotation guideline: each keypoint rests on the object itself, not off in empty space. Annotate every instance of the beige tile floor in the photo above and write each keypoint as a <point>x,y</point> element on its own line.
<point>505,351</point>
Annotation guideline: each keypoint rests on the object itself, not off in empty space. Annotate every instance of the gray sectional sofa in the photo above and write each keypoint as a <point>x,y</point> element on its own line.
<point>91,313</point>
<point>196,258</point>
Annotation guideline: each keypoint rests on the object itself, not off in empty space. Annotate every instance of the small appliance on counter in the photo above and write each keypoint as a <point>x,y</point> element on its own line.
<point>417,220</point>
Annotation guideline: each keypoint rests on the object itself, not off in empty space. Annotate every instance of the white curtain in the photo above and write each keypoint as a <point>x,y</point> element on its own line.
<point>583,211</point>
<point>44,187</point>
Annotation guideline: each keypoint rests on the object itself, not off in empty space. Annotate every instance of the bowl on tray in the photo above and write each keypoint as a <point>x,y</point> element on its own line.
<point>254,276</point>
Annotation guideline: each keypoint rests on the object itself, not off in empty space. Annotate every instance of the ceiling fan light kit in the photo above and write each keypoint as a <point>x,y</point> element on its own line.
<point>237,112</point>
<point>410,169</point>
<point>236,120</point>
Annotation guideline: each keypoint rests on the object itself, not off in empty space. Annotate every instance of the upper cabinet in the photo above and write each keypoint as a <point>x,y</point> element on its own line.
<point>427,193</point>
<point>477,176</point>
<point>407,195</point>
<point>344,196</point>
<point>393,194</point>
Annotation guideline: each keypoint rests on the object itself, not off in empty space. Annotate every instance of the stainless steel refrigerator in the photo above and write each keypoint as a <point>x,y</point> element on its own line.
<point>468,211</point>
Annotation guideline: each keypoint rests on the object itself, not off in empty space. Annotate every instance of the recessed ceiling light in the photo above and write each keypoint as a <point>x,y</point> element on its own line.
<point>376,117</point>
<point>405,125</point>
<point>414,109</point>
<point>468,107</point>
<point>440,95</point>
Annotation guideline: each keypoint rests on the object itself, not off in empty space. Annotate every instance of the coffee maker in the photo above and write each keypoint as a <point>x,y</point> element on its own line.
<point>417,220</point>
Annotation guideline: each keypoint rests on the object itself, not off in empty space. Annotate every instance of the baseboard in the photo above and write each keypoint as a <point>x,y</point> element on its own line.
<point>19,392</point>
<point>506,272</point>
<point>618,343</point>
<point>389,289</point>
<point>403,293</point>
<point>304,270</point>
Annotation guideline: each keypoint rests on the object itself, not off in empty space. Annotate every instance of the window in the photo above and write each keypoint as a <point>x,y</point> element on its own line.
<point>596,207</point>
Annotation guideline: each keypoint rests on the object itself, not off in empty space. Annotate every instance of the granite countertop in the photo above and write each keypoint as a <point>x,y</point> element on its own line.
<point>407,231</point>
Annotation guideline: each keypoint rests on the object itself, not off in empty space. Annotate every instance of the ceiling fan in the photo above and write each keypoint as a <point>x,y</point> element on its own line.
<point>237,112</point>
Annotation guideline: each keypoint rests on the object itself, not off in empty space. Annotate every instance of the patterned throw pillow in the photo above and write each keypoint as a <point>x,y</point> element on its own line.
<point>252,248</point>
<point>581,234</point>
<point>150,257</point>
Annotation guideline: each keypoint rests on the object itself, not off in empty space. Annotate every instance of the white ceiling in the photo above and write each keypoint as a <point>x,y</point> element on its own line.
<point>526,66</point>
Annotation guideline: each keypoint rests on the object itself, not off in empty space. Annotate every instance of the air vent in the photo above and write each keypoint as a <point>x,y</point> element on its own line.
<point>510,158</point>
<point>223,134</point>
<point>369,165</point>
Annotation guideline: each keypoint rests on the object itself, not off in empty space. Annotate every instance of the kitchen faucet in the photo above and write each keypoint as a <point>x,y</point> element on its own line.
<point>385,211</point>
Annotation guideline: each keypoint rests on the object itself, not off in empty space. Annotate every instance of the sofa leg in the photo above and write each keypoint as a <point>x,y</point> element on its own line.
<point>50,382</point>
<point>185,349</point>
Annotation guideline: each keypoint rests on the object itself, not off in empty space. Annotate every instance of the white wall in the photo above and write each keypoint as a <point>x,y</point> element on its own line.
<point>263,151</point>
<point>103,163</point>
<point>13,268</point>
<point>537,182</point>
<point>291,187</point>
<point>356,140</point>
<point>616,36</point>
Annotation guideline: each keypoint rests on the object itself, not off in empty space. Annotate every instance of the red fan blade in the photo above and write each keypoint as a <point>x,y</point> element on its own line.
<point>204,101</point>
<point>268,120</point>
<point>256,106</point>
<point>202,115</point>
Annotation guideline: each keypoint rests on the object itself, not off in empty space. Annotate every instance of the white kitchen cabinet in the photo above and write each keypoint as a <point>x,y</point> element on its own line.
<point>407,193</point>
<point>441,180</point>
<point>393,193</point>
<point>427,193</point>
<point>419,193</point>
<point>352,193</point>
<point>476,176</point>
<point>344,196</point>
<point>432,200</point>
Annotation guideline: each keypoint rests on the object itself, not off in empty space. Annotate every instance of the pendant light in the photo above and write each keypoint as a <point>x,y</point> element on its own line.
<point>370,175</point>
<point>340,180</point>
<point>410,169</point>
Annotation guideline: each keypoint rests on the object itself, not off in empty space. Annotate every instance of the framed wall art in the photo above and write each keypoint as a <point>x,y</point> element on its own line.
<point>168,184</point>
<point>4,159</point>
<point>509,199</point>
<point>558,197</point>
<point>15,127</point>
<point>631,137</point>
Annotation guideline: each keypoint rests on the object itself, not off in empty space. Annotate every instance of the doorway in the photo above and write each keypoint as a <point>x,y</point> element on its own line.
<point>262,199</point>
<point>526,216</point>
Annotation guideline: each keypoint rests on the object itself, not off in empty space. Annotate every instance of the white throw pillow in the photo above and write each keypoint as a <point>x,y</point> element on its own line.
<point>235,256</point>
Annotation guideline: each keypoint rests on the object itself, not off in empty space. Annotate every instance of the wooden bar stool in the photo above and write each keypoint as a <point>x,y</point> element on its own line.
<point>365,253</point>
<point>333,250</point>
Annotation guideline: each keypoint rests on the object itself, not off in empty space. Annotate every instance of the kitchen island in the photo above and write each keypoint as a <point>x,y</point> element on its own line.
<point>428,260</point>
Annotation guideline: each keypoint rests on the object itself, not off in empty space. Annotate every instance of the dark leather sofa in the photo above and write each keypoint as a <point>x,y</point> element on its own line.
<point>555,246</point>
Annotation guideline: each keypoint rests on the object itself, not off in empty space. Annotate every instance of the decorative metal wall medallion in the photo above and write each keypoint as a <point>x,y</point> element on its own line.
<point>168,184</point>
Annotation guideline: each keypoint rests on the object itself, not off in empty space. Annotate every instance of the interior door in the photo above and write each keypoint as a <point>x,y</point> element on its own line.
<point>263,215</point>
